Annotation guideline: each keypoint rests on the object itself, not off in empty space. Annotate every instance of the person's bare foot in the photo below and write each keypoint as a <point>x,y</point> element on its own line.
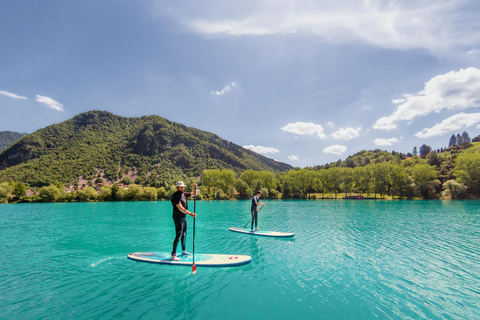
<point>185,253</point>
<point>175,258</point>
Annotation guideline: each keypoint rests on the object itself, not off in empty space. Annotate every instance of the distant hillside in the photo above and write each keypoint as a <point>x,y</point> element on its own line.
<point>7,138</point>
<point>101,144</point>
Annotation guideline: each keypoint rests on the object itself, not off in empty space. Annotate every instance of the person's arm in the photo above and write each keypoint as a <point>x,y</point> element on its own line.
<point>182,209</point>
<point>257,203</point>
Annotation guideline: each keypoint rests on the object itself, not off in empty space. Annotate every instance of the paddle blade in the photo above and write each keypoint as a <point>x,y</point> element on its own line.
<point>194,269</point>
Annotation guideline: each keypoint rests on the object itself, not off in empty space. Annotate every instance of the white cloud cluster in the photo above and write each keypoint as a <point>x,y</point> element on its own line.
<point>224,90</point>
<point>302,128</point>
<point>347,133</point>
<point>453,123</point>
<point>336,149</point>
<point>293,157</point>
<point>49,102</point>
<point>11,95</point>
<point>453,90</point>
<point>385,142</point>
<point>261,149</point>
<point>435,25</point>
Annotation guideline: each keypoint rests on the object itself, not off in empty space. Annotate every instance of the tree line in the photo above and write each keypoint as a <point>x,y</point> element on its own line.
<point>437,176</point>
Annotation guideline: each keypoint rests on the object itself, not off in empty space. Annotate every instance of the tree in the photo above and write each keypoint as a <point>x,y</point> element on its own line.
<point>453,190</point>
<point>453,141</point>
<point>434,159</point>
<point>335,179</point>
<point>50,193</point>
<point>88,194</point>
<point>459,140</point>
<point>347,179</point>
<point>105,193</point>
<point>423,175</point>
<point>466,137</point>
<point>150,194</point>
<point>114,191</point>
<point>3,194</point>
<point>126,181</point>
<point>381,178</point>
<point>19,190</point>
<point>259,179</point>
<point>400,180</point>
<point>467,171</point>
<point>211,181</point>
<point>424,150</point>
<point>414,151</point>
<point>227,182</point>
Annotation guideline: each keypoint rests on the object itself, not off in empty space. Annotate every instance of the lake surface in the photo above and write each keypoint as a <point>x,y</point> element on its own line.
<point>348,260</point>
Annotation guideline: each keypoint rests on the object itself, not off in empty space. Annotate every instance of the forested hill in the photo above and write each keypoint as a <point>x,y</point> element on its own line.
<point>101,144</point>
<point>7,138</point>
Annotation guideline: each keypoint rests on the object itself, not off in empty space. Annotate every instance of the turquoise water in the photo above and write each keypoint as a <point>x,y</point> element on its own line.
<point>348,260</point>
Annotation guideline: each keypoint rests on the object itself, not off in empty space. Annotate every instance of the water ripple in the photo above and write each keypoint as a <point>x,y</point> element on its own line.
<point>348,260</point>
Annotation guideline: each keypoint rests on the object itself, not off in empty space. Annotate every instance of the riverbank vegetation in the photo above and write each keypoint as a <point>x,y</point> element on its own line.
<point>453,173</point>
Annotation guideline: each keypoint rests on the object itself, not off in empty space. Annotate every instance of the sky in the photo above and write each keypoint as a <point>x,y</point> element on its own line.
<point>302,82</point>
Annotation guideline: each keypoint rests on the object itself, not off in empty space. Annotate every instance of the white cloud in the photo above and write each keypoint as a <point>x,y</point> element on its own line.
<point>453,90</point>
<point>331,124</point>
<point>224,90</point>
<point>293,157</point>
<point>335,149</point>
<point>438,26</point>
<point>385,142</point>
<point>302,128</point>
<point>49,102</point>
<point>260,149</point>
<point>11,95</point>
<point>347,133</point>
<point>454,123</point>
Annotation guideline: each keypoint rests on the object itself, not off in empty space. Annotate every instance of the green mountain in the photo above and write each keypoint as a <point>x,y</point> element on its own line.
<point>7,138</point>
<point>100,144</point>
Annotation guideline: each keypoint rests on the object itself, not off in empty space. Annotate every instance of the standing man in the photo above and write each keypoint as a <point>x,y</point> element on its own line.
<point>254,209</point>
<point>180,211</point>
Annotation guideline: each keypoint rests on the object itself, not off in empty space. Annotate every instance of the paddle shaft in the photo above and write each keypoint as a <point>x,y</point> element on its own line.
<point>194,268</point>
<point>251,219</point>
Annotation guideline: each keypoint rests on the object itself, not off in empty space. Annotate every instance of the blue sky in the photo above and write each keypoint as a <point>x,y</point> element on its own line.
<point>302,82</point>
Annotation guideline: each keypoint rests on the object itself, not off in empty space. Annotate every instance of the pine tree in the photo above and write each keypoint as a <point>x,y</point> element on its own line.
<point>414,151</point>
<point>466,138</point>
<point>459,140</point>
<point>453,141</point>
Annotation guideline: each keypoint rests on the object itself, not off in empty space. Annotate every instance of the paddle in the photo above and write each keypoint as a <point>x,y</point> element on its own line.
<point>251,219</point>
<point>194,267</point>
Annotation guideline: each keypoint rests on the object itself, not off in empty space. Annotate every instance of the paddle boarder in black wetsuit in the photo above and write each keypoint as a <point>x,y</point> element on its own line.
<point>254,209</point>
<point>180,211</point>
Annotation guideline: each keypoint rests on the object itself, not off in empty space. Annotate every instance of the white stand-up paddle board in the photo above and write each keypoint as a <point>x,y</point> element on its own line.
<point>263,233</point>
<point>201,260</point>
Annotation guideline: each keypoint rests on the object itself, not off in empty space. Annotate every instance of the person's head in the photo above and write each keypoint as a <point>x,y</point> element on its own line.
<point>259,193</point>
<point>180,186</point>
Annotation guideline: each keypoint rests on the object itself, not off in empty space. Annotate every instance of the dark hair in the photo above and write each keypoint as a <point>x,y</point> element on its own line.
<point>259,192</point>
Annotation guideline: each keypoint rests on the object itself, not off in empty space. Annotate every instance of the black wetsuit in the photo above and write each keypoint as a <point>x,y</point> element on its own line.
<point>254,211</point>
<point>180,220</point>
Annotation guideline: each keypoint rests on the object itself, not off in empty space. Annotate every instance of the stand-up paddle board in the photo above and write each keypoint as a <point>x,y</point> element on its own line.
<point>201,260</point>
<point>263,233</point>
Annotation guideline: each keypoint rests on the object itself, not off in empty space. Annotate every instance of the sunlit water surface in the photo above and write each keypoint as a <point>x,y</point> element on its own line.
<point>348,260</point>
